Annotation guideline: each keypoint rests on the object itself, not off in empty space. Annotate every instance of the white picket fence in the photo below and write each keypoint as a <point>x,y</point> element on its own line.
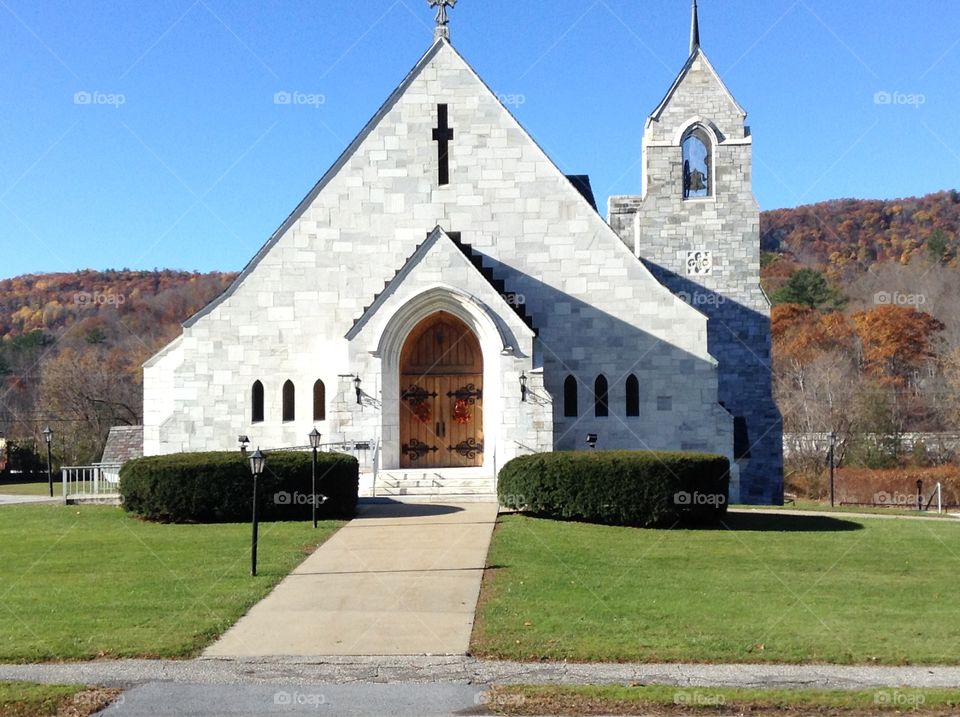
<point>96,482</point>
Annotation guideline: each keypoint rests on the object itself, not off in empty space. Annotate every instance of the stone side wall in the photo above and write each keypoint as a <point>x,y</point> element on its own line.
<point>598,308</point>
<point>661,227</point>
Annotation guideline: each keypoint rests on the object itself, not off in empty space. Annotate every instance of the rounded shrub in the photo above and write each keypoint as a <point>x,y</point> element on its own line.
<point>644,488</point>
<point>218,487</point>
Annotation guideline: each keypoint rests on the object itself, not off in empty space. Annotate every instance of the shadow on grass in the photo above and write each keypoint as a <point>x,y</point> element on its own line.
<point>766,522</point>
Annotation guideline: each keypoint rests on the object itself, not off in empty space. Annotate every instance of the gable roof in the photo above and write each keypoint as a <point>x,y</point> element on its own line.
<point>305,203</point>
<point>124,443</point>
<point>440,240</point>
<point>697,53</point>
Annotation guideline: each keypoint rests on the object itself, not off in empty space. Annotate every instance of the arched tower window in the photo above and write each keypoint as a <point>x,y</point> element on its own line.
<point>601,391</point>
<point>319,401</point>
<point>697,164</point>
<point>289,394</point>
<point>256,403</point>
<point>570,405</point>
<point>633,396</point>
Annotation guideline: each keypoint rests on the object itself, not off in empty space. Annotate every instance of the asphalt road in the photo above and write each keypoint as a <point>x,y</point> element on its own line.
<point>394,700</point>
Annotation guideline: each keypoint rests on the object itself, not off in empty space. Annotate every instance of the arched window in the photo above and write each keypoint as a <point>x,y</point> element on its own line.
<point>289,394</point>
<point>633,396</point>
<point>319,401</point>
<point>697,164</point>
<point>570,407</point>
<point>601,392</point>
<point>256,403</point>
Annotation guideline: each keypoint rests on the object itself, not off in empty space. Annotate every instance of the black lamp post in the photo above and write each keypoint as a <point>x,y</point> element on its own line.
<point>356,385</point>
<point>833,448</point>
<point>523,387</point>
<point>48,437</point>
<point>592,440</point>
<point>257,462</point>
<point>314,444</point>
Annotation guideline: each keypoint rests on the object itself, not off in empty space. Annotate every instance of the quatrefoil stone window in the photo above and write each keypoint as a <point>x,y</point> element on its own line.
<point>699,263</point>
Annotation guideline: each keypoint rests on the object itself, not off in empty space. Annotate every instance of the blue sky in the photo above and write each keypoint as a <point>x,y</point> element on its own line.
<point>145,134</point>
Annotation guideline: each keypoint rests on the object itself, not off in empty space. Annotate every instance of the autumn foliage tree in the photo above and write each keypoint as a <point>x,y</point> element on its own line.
<point>896,341</point>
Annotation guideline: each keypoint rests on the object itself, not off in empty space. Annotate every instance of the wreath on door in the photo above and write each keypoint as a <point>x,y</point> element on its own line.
<point>421,409</point>
<point>461,412</point>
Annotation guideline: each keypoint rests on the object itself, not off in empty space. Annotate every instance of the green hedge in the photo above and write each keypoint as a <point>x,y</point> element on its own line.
<point>218,487</point>
<point>643,488</point>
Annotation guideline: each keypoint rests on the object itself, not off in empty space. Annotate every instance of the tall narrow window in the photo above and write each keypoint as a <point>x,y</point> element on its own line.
<point>601,395</point>
<point>633,396</point>
<point>697,162</point>
<point>570,407</point>
<point>289,395</point>
<point>256,403</point>
<point>319,401</point>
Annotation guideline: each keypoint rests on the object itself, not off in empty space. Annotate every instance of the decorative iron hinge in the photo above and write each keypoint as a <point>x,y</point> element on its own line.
<point>468,448</point>
<point>417,449</point>
<point>416,393</point>
<point>468,393</point>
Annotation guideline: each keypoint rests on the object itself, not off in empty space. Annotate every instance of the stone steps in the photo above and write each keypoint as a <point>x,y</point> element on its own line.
<point>440,484</point>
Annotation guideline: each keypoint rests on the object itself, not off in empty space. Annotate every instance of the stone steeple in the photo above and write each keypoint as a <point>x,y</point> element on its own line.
<point>694,29</point>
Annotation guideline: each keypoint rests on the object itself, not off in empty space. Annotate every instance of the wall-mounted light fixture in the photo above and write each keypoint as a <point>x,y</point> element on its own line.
<point>523,387</point>
<point>356,384</point>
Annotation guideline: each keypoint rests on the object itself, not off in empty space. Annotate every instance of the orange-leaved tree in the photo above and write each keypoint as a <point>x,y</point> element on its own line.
<point>896,341</point>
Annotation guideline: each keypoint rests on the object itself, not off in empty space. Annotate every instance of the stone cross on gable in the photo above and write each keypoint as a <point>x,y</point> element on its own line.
<point>443,20</point>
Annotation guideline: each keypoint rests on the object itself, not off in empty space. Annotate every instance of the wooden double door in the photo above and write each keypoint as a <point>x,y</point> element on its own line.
<point>441,395</point>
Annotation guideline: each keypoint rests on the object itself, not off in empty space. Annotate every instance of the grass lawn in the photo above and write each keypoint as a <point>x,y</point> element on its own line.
<point>90,581</point>
<point>666,700</point>
<point>759,588</point>
<point>26,699</point>
<point>33,488</point>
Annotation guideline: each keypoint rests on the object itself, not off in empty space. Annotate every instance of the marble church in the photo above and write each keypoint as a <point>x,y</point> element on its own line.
<point>445,299</point>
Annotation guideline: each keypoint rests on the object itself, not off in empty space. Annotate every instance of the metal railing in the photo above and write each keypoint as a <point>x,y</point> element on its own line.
<point>97,481</point>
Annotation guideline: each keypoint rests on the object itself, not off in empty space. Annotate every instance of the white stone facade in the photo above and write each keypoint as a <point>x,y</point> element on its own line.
<point>379,245</point>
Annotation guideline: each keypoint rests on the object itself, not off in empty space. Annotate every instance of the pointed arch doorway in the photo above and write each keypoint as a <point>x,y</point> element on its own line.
<point>441,395</point>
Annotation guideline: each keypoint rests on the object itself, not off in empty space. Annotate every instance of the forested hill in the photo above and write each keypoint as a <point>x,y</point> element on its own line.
<point>148,303</point>
<point>845,237</point>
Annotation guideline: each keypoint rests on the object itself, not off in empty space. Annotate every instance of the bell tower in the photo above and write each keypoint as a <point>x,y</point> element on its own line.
<point>696,225</point>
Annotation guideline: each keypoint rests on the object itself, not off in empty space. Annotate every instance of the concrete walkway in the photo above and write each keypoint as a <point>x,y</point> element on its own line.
<point>11,499</point>
<point>400,579</point>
